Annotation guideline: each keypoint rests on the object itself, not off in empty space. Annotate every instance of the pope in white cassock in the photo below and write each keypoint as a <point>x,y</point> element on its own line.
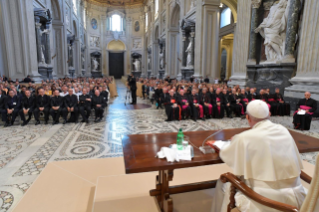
<point>266,158</point>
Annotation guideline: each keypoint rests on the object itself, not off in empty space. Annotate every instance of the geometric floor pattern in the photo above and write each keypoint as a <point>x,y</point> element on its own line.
<point>25,151</point>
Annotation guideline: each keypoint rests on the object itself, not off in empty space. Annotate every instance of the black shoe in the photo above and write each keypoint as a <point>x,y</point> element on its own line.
<point>76,121</point>
<point>6,125</point>
<point>28,120</point>
<point>195,120</point>
<point>87,121</point>
<point>38,122</point>
<point>168,120</point>
<point>24,123</point>
<point>46,122</point>
<point>203,119</point>
<point>230,116</point>
<point>95,120</point>
<point>83,121</point>
<point>64,122</point>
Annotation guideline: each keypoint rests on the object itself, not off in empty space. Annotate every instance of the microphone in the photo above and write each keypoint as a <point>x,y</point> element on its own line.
<point>207,149</point>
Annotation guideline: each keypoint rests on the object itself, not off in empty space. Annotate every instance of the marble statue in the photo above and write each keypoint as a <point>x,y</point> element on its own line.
<point>161,60</point>
<point>137,65</point>
<point>95,64</point>
<point>189,51</point>
<point>273,29</point>
<point>149,62</point>
<point>42,54</point>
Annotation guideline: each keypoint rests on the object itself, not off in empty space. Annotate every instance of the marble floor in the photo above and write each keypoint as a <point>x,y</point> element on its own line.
<point>25,151</point>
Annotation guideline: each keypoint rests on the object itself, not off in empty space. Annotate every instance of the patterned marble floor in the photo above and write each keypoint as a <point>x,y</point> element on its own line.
<point>25,151</point>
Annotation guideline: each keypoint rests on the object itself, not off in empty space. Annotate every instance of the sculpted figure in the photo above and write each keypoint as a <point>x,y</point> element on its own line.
<point>189,53</point>
<point>273,29</point>
<point>95,64</point>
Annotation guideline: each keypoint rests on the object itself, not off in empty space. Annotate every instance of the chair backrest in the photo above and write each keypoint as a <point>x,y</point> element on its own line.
<point>311,203</point>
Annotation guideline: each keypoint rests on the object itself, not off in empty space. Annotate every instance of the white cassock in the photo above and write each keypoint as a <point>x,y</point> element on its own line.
<point>266,158</point>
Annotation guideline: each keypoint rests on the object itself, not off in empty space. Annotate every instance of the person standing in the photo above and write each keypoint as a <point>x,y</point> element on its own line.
<point>133,88</point>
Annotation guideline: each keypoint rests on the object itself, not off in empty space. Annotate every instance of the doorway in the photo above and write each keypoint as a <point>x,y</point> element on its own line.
<point>116,65</point>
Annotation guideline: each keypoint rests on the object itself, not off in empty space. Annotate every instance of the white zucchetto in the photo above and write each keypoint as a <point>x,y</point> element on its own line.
<point>258,109</point>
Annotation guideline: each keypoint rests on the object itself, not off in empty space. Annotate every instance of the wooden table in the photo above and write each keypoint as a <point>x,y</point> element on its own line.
<point>140,151</point>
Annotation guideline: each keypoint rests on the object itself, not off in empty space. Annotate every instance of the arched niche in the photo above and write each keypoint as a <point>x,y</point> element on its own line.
<point>116,46</point>
<point>56,10</point>
<point>232,4</point>
<point>175,16</point>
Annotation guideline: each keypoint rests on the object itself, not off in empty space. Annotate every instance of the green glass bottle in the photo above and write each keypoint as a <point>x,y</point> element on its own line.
<point>180,139</point>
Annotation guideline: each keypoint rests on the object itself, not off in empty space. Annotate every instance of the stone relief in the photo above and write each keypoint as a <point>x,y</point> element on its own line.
<point>137,44</point>
<point>94,41</point>
<point>273,29</point>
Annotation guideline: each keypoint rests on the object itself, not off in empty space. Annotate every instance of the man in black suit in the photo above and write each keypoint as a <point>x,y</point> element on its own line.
<point>71,106</point>
<point>12,106</point>
<point>133,88</point>
<point>2,105</point>
<point>27,79</point>
<point>98,104</point>
<point>56,107</point>
<point>85,105</point>
<point>42,105</point>
<point>27,107</point>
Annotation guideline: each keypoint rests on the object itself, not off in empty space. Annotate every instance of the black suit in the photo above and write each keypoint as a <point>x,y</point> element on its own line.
<point>98,100</point>
<point>132,84</point>
<point>42,101</point>
<point>27,103</point>
<point>2,107</point>
<point>12,103</point>
<point>105,95</point>
<point>69,102</point>
<point>85,106</point>
<point>56,101</point>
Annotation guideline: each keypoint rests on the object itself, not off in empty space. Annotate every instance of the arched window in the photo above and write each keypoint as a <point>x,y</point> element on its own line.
<point>225,17</point>
<point>116,23</point>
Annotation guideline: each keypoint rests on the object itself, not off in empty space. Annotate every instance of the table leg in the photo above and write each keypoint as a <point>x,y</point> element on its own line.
<point>162,184</point>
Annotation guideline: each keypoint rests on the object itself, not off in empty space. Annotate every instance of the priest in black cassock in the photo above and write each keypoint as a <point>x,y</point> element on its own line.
<point>173,110</point>
<point>303,122</point>
<point>282,108</point>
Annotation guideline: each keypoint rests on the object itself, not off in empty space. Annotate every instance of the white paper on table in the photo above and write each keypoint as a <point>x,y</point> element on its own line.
<point>222,144</point>
<point>301,112</point>
<point>184,154</point>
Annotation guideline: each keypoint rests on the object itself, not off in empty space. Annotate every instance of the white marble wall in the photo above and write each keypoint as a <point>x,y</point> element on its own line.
<point>3,65</point>
<point>307,76</point>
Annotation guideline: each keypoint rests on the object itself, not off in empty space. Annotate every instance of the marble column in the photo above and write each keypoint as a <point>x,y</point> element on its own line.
<point>20,39</point>
<point>292,30</point>
<point>77,57</point>
<point>207,36</point>
<point>38,38</point>
<point>307,76</point>
<point>253,36</point>
<point>241,44</point>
